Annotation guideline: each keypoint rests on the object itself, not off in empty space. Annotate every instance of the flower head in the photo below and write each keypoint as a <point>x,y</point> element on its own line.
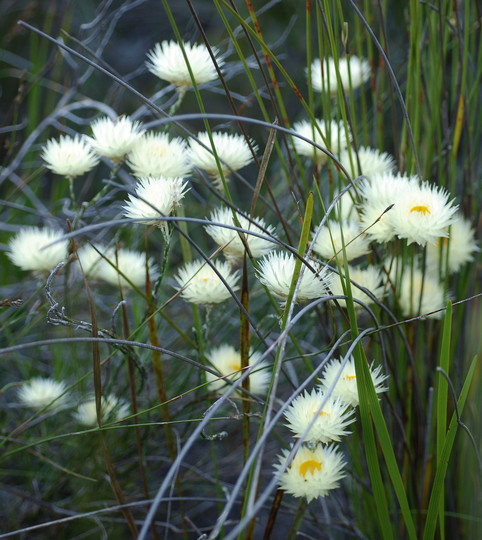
<point>331,419</point>
<point>112,263</point>
<point>371,160</point>
<point>457,250</point>
<point>234,247</point>
<point>69,156</point>
<point>112,409</point>
<point>353,71</point>
<point>233,152</point>
<point>155,198</point>
<point>343,385</point>
<point>369,278</point>
<point>331,136</point>
<point>200,284</point>
<point>422,213</point>
<point>154,154</point>
<point>28,249</point>
<point>311,473</point>
<point>166,61</point>
<point>330,240</point>
<point>227,360</point>
<point>40,393</point>
<point>114,139</point>
<point>276,273</point>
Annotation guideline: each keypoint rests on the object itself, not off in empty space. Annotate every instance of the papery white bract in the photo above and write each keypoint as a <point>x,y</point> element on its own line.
<point>41,392</point>
<point>330,240</point>
<point>352,70</point>
<point>331,136</point>
<point>114,139</point>
<point>369,278</point>
<point>69,156</point>
<point>371,160</point>
<point>112,409</point>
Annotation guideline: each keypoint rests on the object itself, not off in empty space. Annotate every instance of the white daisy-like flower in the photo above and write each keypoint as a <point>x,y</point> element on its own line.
<point>130,262</point>
<point>331,420</point>
<point>233,152</point>
<point>372,161</point>
<point>422,213</point>
<point>154,154</point>
<point>28,251</point>
<point>227,360</point>
<point>69,156</point>
<point>200,284</point>
<point>417,293</point>
<point>335,139</point>
<point>40,393</point>
<point>369,278</point>
<point>344,385</point>
<point>461,246</point>
<point>166,61</point>
<point>378,194</point>
<point>311,473</point>
<point>276,273</point>
<point>112,409</point>
<point>351,68</point>
<point>155,198</point>
<point>234,247</point>
<point>114,139</point>
<point>345,209</point>
<point>329,242</point>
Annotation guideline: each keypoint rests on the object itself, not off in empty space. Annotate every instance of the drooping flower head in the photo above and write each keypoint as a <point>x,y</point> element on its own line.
<point>155,198</point>
<point>200,284</point>
<point>372,161</point>
<point>114,139</point>
<point>276,273</point>
<point>453,252</point>
<point>69,156</point>
<point>227,360</point>
<point>154,154</point>
<point>369,278</point>
<point>330,240</point>
<point>344,384</point>
<point>311,473</point>
<point>331,420</point>
<point>234,247</point>
<point>331,136</point>
<point>112,409</point>
<point>233,152</point>
<point>166,61</point>
<point>42,392</point>
<point>352,70</point>
<point>28,249</point>
<point>422,213</point>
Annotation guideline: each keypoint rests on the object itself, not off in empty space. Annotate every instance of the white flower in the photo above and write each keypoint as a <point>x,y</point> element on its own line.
<point>344,385</point>
<point>131,263</point>
<point>167,62</point>
<point>233,152</point>
<point>155,197</point>
<point>155,155</point>
<point>422,213</point>
<point>331,420</point>
<point>460,245</point>
<point>234,247</point>
<point>335,139</point>
<point>200,284</point>
<point>370,278</point>
<point>379,193</point>
<point>28,251</point>
<point>351,68</point>
<point>311,474</point>
<point>40,393</point>
<point>227,360</point>
<point>414,299</point>
<point>372,162</point>
<point>276,273</point>
<point>329,242</point>
<point>114,140</point>
<point>69,156</point>
<point>345,209</point>
<point>112,409</point>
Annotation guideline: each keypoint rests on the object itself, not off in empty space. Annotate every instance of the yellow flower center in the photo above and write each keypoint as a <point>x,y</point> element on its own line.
<point>309,466</point>
<point>350,377</point>
<point>421,209</point>
<point>234,366</point>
